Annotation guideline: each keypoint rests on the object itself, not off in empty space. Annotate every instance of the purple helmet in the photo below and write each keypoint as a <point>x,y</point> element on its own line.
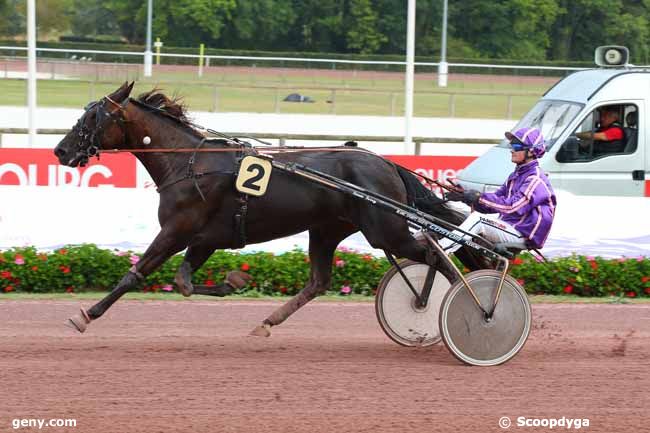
<point>529,138</point>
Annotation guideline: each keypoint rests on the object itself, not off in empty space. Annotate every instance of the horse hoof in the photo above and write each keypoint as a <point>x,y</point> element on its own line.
<point>261,331</point>
<point>79,321</point>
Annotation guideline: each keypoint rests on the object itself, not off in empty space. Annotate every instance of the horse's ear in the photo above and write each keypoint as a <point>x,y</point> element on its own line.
<point>121,94</point>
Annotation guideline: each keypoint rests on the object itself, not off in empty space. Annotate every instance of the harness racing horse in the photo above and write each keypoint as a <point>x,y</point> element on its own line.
<point>199,202</point>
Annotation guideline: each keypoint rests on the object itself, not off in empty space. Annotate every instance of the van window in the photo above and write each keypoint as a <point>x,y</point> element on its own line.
<point>550,117</point>
<point>607,131</point>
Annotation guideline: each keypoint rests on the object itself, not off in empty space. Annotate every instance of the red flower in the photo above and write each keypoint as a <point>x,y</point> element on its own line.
<point>65,269</point>
<point>9,289</point>
<point>5,274</point>
<point>630,294</point>
<point>245,266</point>
<point>593,264</point>
<point>645,279</point>
<point>521,282</point>
<point>43,257</point>
<point>306,259</point>
<point>70,289</point>
<point>568,289</point>
<point>34,268</point>
<point>367,257</point>
<point>253,284</point>
<point>517,261</point>
<point>647,290</point>
<point>63,251</point>
<point>209,283</point>
<point>283,290</point>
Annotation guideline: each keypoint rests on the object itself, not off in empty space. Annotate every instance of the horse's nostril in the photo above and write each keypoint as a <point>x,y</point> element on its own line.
<point>59,152</point>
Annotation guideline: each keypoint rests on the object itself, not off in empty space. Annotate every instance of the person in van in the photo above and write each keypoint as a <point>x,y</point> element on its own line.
<point>525,203</point>
<point>609,137</point>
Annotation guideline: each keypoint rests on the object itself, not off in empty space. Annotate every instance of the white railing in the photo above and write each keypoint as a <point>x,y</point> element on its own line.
<point>294,59</point>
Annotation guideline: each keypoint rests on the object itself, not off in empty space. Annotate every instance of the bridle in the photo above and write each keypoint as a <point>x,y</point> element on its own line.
<point>90,140</point>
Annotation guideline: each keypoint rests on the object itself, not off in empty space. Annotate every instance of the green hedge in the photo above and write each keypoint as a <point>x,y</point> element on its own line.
<point>87,267</point>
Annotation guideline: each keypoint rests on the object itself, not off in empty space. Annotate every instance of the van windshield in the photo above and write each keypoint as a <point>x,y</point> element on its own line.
<point>550,117</point>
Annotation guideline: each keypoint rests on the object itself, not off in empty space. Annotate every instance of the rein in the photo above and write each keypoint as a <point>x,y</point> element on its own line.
<point>273,149</point>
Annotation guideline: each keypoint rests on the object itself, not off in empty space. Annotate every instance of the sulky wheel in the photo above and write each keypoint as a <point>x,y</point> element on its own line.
<point>398,312</point>
<point>469,335</point>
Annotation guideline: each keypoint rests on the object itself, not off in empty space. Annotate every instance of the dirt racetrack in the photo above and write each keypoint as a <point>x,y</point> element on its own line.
<point>190,367</point>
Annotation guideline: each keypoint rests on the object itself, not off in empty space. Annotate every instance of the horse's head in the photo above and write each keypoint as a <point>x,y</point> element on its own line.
<point>100,127</point>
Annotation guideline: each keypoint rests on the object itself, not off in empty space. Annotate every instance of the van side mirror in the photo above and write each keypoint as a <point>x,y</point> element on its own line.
<point>612,56</point>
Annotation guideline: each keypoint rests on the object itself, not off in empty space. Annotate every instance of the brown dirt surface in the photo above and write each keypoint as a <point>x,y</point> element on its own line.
<point>190,367</point>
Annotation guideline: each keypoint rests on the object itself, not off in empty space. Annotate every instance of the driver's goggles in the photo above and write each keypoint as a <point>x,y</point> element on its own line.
<point>517,145</point>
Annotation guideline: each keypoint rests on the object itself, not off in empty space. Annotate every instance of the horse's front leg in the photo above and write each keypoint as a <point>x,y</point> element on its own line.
<point>168,242</point>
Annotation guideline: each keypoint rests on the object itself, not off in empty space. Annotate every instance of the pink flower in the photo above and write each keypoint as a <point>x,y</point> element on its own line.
<point>167,288</point>
<point>640,259</point>
<point>346,290</point>
<point>134,259</point>
<point>20,260</point>
<point>590,258</point>
<point>121,253</point>
<point>339,263</point>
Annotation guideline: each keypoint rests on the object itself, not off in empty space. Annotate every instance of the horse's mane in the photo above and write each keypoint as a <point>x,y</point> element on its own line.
<point>173,108</point>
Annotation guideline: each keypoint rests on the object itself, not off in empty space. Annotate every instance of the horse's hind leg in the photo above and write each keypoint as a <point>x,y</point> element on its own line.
<point>195,257</point>
<point>322,244</point>
<point>391,233</point>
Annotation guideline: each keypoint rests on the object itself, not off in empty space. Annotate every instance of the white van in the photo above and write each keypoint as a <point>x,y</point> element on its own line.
<point>582,166</point>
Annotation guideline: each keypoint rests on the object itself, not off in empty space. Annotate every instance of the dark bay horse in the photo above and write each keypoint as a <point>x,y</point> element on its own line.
<point>198,200</point>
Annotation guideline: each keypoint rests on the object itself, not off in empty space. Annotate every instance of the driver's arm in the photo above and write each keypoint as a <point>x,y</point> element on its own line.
<point>598,136</point>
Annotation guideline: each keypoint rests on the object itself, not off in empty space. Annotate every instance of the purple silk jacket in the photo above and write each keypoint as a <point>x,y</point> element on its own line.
<point>526,201</point>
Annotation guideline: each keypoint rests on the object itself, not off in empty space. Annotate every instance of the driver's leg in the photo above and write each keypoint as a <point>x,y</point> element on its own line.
<point>493,229</point>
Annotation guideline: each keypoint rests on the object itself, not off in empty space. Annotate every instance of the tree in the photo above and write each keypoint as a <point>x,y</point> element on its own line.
<point>93,17</point>
<point>52,16</point>
<point>14,17</point>
<point>318,26</point>
<point>515,29</point>
<point>262,24</point>
<point>363,35</point>
<point>582,25</point>
<point>177,22</point>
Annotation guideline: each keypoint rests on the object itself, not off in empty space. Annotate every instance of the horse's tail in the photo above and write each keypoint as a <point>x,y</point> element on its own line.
<point>423,199</point>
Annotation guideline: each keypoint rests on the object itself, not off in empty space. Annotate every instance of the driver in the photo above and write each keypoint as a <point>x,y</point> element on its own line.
<point>609,137</point>
<point>525,202</point>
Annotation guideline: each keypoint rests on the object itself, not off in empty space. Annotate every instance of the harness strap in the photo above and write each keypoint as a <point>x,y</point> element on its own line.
<point>239,221</point>
<point>239,218</point>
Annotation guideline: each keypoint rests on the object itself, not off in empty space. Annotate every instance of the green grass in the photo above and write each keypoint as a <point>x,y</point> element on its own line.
<point>139,296</point>
<point>361,93</point>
